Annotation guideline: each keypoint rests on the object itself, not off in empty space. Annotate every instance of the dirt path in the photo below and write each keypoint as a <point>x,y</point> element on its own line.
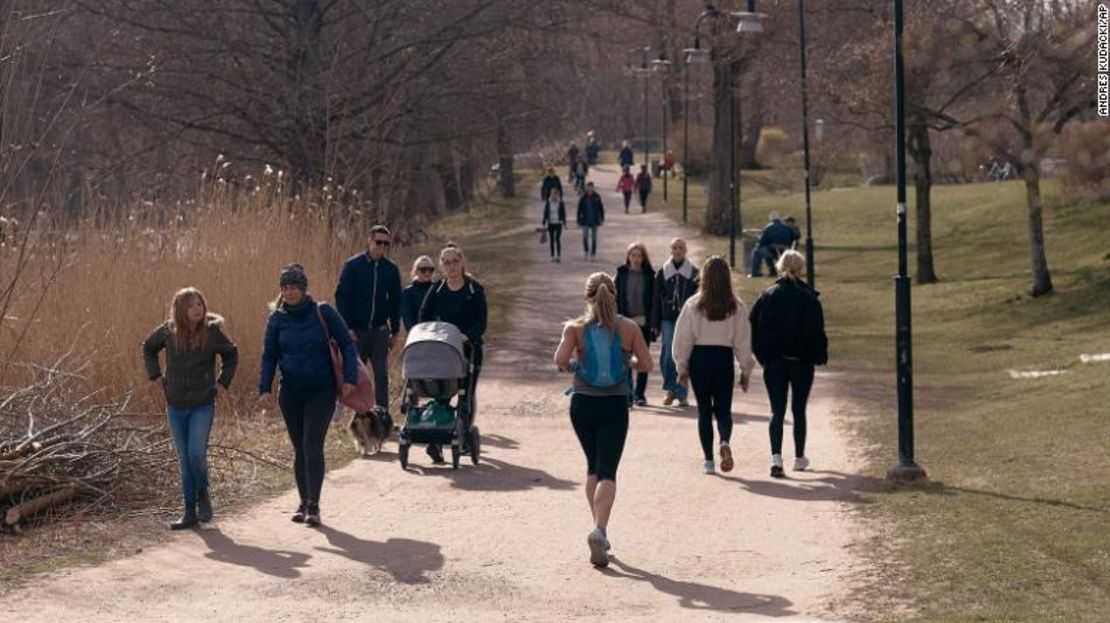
<point>506,540</point>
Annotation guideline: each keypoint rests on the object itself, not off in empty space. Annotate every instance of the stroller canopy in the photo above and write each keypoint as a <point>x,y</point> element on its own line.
<point>434,350</point>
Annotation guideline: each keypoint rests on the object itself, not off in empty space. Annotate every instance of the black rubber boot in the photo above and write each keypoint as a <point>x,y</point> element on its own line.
<point>188,519</point>
<point>204,506</point>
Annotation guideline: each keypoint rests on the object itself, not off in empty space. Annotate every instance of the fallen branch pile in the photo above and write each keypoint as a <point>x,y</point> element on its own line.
<point>59,447</point>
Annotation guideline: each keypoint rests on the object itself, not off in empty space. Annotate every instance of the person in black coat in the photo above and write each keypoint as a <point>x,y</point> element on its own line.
<point>635,294</point>
<point>412,297</point>
<point>788,340</point>
<point>554,218</point>
<point>591,215</point>
<point>550,182</point>
<point>458,298</point>
<point>626,156</point>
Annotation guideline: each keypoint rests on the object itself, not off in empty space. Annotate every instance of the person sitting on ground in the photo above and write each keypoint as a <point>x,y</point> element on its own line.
<point>412,297</point>
<point>775,236</point>
<point>643,185</point>
<point>458,298</point>
<point>591,215</point>
<point>676,282</point>
<point>712,330</point>
<point>788,338</point>
<point>554,218</point>
<point>550,182</point>
<point>635,293</point>
<point>604,347</point>
<point>625,185</point>
<point>626,157</point>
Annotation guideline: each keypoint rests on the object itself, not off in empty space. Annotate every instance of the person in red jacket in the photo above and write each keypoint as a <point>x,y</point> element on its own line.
<point>625,185</point>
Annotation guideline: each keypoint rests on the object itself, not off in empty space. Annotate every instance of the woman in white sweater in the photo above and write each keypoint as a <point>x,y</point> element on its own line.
<point>711,331</point>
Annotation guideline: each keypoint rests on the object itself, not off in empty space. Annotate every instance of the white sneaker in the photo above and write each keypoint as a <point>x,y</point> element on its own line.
<point>708,468</point>
<point>776,460</point>
<point>776,466</point>
<point>598,554</point>
<point>801,464</point>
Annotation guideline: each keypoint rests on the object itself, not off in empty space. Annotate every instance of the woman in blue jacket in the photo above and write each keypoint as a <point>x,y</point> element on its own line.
<point>296,343</point>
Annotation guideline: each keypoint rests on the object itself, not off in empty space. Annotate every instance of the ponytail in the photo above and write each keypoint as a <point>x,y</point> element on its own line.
<point>601,302</point>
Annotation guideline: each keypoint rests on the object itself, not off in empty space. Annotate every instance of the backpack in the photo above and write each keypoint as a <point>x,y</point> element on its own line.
<point>604,364</point>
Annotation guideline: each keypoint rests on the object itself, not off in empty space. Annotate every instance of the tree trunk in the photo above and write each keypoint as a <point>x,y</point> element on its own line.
<point>921,151</point>
<point>1042,280</point>
<point>305,73</point>
<point>749,143</point>
<point>506,183</point>
<point>718,210</point>
<point>467,179</point>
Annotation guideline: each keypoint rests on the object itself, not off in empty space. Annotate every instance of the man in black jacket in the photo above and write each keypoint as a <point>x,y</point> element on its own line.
<point>626,156</point>
<point>551,181</point>
<point>591,215</point>
<point>676,282</point>
<point>369,299</point>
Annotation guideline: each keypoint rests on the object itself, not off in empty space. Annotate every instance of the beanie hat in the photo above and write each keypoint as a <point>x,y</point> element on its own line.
<point>293,275</point>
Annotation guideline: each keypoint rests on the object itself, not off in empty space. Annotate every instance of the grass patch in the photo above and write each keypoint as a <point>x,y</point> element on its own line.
<point>1015,523</point>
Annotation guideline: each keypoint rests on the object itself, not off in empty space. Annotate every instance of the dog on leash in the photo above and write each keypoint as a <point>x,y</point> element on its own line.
<point>370,430</point>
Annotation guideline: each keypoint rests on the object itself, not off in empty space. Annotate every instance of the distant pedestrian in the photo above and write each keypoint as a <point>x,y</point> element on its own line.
<point>625,185</point>
<point>550,182</point>
<point>554,218</point>
<point>593,148</point>
<point>626,157</point>
<point>788,338</point>
<point>712,330</point>
<point>581,171</point>
<point>591,215</point>
<point>193,337</point>
<point>601,347</point>
<point>412,297</point>
<point>635,293</point>
<point>572,157</point>
<point>676,282</point>
<point>643,186</point>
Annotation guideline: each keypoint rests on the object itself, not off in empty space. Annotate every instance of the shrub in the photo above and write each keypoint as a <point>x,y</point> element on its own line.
<point>1086,149</point>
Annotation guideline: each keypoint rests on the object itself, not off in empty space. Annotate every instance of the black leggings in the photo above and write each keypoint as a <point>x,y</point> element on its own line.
<point>643,199</point>
<point>627,200</point>
<point>712,376</point>
<point>779,377</point>
<point>555,236</point>
<point>638,389</point>
<point>307,415</point>
<point>601,423</point>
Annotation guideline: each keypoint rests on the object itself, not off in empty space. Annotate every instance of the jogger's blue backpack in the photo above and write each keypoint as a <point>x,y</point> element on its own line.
<point>604,363</point>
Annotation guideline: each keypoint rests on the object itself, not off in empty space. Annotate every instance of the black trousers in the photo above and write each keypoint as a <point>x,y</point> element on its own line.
<point>712,377</point>
<point>373,349</point>
<point>627,200</point>
<point>637,389</point>
<point>601,424</point>
<point>307,416</point>
<point>555,238</point>
<point>643,199</point>
<point>781,377</point>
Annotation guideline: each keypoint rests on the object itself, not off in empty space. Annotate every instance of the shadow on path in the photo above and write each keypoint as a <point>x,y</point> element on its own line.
<point>833,486</point>
<point>407,560</point>
<point>494,475</point>
<point>702,596</point>
<point>278,563</point>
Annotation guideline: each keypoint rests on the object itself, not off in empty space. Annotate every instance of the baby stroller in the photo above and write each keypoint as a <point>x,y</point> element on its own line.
<point>436,368</point>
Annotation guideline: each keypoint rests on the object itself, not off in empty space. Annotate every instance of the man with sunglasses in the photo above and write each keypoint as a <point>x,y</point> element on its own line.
<point>369,299</point>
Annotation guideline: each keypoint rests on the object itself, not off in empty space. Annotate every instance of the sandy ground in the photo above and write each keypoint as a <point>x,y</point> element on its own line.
<point>506,540</point>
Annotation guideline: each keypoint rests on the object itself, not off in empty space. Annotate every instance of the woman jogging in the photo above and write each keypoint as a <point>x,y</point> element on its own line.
<point>625,185</point>
<point>601,342</point>
<point>192,339</point>
<point>554,217</point>
<point>711,331</point>
<point>788,337</point>
<point>458,298</point>
<point>412,297</point>
<point>635,292</point>
<point>296,343</point>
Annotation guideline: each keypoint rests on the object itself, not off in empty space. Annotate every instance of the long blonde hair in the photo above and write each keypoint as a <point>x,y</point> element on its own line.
<point>601,302</point>
<point>456,250</point>
<point>186,335</point>
<point>791,264</point>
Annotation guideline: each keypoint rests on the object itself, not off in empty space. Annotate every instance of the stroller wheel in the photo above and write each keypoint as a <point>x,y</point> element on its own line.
<point>475,444</point>
<point>403,453</point>
<point>456,453</point>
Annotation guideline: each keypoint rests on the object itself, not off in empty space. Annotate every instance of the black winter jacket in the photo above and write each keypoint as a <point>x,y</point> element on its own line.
<point>626,157</point>
<point>560,216</point>
<point>671,292</point>
<point>623,274</point>
<point>591,211</point>
<point>550,182</point>
<point>412,298</point>
<point>190,379</point>
<point>787,322</point>
<point>465,308</point>
<point>369,293</point>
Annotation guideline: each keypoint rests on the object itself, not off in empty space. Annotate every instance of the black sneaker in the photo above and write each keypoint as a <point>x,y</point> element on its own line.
<point>204,507</point>
<point>312,518</point>
<point>777,472</point>
<point>302,510</point>
<point>188,520</point>
<point>435,453</point>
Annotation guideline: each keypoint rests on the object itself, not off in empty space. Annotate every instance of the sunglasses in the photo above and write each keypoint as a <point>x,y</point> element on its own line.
<point>426,269</point>
<point>382,243</point>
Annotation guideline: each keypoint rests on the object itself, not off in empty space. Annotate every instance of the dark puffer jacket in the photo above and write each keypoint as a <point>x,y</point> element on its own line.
<point>788,323</point>
<point>190,377</point>
<point>412,298</point>
<point>297,344</point>
<point>648,276</point>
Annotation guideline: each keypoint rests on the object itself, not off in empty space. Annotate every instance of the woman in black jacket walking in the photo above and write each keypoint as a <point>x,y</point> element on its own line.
<point>192,339</point>
<point>788,339</point>
<point>458,298</point>
<point>412,297</point>
<point>635,292</point>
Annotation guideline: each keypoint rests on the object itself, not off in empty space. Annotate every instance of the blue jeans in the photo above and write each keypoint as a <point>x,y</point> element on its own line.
<point>190,428</point>
<point>666,362</point>
<point>761,255</point>
<point>589,235</point>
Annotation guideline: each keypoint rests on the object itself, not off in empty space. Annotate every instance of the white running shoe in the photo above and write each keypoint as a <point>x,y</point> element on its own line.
<point>801,464</point>
<point>597,543</point>
<point>708,468</point>
<point>776,466</point>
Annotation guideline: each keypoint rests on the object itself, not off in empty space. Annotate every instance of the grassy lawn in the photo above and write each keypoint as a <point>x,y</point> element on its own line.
<point>1015,523</point>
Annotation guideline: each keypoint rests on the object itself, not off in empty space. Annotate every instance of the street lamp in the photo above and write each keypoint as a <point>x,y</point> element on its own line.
<point>690,56</point>
<point>811,277</point>
<point>662,65</point>
<point>644,76</point>
<point>906,470</point>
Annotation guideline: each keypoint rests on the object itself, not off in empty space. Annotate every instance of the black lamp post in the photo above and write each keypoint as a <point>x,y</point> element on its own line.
<point>811,277</point>
<point>644,76</point>
<point>663,65</point>
<point>691,55</point>
<point>906,470</point>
